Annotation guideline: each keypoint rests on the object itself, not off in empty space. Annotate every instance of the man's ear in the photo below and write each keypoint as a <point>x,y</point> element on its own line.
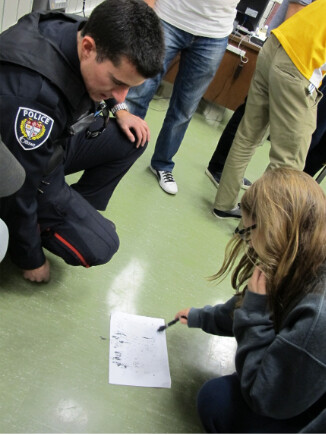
<point>88,46</point>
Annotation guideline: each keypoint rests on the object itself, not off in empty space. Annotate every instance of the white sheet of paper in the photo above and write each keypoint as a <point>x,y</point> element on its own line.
<point>138,353</point>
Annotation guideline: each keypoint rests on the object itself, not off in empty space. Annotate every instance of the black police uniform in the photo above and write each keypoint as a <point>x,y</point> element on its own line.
<point>43,100</point>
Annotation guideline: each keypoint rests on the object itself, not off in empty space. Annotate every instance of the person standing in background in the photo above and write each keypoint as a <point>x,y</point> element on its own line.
<point>284,96</point>
<point>199,31</point>
<point>317,151</point>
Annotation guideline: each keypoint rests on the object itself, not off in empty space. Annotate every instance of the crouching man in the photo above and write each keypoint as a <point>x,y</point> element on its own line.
<point>60,77</point>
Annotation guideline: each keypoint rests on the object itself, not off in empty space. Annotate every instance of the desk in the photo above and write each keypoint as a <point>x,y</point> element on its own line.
<point>227,88</point>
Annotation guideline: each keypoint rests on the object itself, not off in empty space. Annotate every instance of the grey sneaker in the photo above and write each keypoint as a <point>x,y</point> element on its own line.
<point>166,181</point>
<point>216,176</point>
<point>235,213</point>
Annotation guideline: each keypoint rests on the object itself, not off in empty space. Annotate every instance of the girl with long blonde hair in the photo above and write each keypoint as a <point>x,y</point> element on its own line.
<point>278,314</point>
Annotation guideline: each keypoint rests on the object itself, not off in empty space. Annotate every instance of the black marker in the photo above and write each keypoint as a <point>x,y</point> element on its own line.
<point>173,322</point>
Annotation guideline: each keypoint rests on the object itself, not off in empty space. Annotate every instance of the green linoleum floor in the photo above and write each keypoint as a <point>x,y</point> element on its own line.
<point>55,337</point>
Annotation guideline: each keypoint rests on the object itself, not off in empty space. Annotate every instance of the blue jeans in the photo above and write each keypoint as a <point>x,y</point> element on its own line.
<point>199,60</point>
<point>222,409</point>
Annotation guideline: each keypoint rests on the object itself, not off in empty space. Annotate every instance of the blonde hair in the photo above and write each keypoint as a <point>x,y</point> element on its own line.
<point>289,209</point>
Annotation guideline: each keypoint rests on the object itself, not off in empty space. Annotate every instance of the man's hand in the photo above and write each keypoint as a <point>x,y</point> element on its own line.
<point>257,283</point>
<point>127,121</point>
<point>41,274</point>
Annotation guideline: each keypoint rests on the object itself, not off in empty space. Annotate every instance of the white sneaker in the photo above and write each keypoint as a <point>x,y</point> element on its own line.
<point>166,181</point>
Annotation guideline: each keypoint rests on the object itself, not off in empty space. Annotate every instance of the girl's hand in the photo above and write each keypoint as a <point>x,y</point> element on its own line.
<point>257,283</point>
<point>183,316</point>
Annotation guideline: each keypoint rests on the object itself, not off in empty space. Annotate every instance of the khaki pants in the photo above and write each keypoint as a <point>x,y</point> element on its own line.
<point>278,97</point>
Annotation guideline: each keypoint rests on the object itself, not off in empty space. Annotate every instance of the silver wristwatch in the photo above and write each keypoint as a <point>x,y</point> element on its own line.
<point>117,107</point>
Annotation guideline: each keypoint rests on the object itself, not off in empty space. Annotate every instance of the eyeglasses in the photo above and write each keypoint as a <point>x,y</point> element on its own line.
<point>244,234</point>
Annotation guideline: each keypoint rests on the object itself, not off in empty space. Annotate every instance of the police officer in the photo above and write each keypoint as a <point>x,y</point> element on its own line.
<point>59,77</point>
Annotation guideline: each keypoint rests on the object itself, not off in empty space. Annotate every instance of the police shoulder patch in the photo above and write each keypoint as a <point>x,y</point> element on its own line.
<point>32,128</point>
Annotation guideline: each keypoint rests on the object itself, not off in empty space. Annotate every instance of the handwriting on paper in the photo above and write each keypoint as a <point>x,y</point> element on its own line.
<point>138,354</point>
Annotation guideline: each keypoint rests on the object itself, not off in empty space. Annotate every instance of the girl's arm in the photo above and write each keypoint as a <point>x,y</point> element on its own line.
<point>216,320</point>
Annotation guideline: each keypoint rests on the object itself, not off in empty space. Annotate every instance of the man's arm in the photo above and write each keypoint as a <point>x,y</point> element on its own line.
<point>295,7</point>
<point>150,3</point>
<point>29,140</point>
<point>286,10</point>
<point>135,128</point>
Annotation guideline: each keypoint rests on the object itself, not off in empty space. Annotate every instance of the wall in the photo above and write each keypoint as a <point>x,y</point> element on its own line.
<point>12,10</point>
<point>76,6</point>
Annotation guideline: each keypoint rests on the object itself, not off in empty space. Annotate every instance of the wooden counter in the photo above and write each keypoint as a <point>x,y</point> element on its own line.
<point>231,82</point>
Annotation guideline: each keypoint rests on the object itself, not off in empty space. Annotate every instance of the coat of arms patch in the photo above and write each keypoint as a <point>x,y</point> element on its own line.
<point>32,128</point>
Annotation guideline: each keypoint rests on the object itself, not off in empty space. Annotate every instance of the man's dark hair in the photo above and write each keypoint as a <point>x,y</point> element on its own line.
<point>127,28</point>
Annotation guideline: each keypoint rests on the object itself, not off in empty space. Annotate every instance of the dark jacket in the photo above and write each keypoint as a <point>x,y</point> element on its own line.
<point>42,94</point>
<point>283,374</point>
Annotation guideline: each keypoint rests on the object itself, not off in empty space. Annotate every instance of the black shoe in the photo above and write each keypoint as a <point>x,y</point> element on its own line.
<point>216,176</point>
<point>235,213</point>
<point>246,183</point>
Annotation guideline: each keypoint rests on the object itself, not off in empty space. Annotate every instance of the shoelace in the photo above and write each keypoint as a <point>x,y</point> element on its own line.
<point>167,177</point>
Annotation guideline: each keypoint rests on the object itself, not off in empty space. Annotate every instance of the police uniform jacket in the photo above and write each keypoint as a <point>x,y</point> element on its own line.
<point>42,94</point>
